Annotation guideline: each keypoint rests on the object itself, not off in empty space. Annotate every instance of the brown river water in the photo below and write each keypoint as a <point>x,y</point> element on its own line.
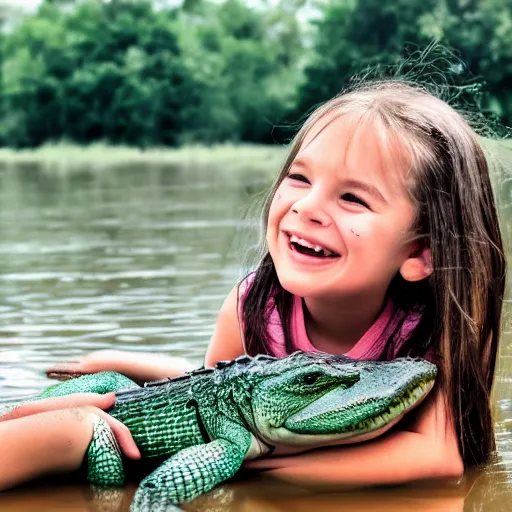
<point>141,258</point>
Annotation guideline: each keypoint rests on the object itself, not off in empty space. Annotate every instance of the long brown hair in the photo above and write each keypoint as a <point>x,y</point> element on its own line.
<point>457,217</point>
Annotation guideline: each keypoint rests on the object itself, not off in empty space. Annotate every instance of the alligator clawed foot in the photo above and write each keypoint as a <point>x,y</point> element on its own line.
<point>148,500</point>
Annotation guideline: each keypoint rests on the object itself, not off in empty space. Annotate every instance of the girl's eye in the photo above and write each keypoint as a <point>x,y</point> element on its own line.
<point>298,177</point>
<point>351,198</point>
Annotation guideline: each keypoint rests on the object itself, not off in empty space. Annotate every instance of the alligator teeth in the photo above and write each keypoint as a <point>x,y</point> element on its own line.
<point>393,411</point>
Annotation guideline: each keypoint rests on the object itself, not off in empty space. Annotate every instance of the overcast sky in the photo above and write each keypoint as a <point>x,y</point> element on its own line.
<point>31,5</point>
<point>27,4</point>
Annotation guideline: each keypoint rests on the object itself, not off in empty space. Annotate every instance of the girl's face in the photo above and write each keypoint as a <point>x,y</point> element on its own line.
<point>338,223</point>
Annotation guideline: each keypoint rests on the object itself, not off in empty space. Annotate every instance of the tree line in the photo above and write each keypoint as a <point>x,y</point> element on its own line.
<point>150,73</point>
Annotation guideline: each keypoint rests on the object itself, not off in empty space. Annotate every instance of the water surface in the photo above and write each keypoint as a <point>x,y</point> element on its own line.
<point>141,258</point>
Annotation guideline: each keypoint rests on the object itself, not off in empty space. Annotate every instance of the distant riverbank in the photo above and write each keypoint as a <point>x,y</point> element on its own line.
<point>70,156</point>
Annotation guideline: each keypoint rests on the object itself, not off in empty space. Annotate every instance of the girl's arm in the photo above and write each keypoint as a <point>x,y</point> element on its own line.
<point>138,366</point>
<point>226,342</point>
<point>36,440</point>
<point>45,443</point>
<point>426,448</point>
<point>92,402</point>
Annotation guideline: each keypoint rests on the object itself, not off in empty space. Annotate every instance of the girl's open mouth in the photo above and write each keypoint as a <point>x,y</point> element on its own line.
<point>304,247</point>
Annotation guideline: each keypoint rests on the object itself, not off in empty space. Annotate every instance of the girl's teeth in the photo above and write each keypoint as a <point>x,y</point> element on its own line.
<point>317,248</point>
<point>295,239</point>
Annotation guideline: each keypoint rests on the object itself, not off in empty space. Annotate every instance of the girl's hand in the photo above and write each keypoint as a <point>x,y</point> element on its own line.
<point>94,362</point>
<point>138,366</point>
<point>89,402</point>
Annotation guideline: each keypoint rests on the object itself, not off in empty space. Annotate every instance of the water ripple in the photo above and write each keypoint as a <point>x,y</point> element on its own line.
<point>138,260</point>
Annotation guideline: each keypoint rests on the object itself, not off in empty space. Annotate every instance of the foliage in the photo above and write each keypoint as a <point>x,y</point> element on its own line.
<point>127,73</point>
<point>352,35</point>
<point>150,73</point>
<point>244,72</point>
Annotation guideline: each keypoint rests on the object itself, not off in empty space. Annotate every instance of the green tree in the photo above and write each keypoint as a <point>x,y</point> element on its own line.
<point>246,62</point>
<point>353,34</point>
<point>482,33</point>
<point>125,71</point>
<point>94,70</point>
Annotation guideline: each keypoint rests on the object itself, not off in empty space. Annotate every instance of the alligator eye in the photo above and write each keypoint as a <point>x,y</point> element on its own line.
<point>311,378</point>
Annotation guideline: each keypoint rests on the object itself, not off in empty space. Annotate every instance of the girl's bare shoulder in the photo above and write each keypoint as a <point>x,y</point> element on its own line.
<point>226,342</point>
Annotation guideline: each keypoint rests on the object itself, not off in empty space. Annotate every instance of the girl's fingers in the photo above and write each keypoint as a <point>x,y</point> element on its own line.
<point>93,362</point>
<point>93,402</point>
<point>61,402</point>
<point>66,371</point>
<point>123,436</point>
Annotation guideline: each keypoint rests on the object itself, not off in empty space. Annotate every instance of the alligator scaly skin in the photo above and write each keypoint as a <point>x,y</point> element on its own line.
<point>199,428</point>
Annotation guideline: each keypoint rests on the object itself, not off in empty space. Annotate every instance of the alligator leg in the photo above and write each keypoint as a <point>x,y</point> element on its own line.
<point>105,465</point>
<point>190,473</point>
<point>103,382</point>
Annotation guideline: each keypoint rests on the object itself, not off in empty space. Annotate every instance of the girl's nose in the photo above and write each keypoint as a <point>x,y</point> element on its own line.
<point>311,208</point>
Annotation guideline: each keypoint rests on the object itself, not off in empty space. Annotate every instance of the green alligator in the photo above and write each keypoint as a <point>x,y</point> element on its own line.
<point>200,427</point>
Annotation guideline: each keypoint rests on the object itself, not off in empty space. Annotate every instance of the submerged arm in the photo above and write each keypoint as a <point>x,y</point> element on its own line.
<point>428,448</point>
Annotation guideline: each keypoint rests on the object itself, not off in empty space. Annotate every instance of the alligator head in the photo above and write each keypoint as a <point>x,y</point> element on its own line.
<point>319,399</point>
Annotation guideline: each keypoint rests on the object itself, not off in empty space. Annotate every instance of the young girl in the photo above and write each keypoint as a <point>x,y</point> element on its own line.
<point>382,240</point>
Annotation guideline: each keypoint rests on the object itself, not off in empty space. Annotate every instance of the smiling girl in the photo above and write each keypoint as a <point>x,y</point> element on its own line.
<point>382,240</point>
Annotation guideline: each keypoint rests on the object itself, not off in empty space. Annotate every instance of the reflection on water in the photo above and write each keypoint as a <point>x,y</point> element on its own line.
<point>141,258</point>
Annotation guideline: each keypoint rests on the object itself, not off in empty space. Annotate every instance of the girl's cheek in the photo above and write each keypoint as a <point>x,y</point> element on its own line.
<point>278,196</point>
<point>276,210</point>
<point>284,198</point>
<point>355,229</point>
<point>274,206</point>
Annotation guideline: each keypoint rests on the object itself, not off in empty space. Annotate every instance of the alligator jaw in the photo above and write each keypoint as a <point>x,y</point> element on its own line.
<point>337,412</point>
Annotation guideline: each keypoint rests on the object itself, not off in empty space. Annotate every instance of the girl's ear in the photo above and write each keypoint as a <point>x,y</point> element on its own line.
<point>417,266</point>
